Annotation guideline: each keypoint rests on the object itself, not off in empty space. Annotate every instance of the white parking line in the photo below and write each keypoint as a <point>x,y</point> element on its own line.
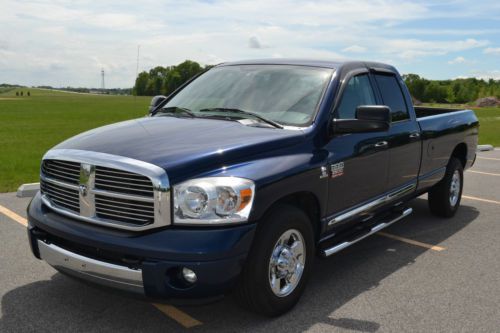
<point>10,214</point>
<point>412,242</point>
<point>179,316</point>
<point>481,199</point>
<point>484,173</point>
<point>489,158</point>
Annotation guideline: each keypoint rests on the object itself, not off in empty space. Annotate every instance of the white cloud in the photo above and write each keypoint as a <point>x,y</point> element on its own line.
<point>410,49</point>
<point>354,49</point>
<point>67,42</point>
<point>445,32</point>
<point>492,50</point>
<point>486,75</point>
<point>457,60</point>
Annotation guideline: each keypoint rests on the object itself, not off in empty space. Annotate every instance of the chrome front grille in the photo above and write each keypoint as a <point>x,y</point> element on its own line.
<point>61,196</point>
<point>105,189</point>
<point>122,182</point>
<point>129,211</point>
<point>64,171</point>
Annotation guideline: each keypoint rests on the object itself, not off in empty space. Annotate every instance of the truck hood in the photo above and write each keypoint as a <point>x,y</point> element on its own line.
<point>182,145</point>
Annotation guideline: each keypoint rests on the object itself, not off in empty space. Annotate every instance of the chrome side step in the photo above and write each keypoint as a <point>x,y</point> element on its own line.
<point>378,227</point>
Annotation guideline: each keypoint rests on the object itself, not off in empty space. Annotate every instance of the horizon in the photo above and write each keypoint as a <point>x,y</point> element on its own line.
<point>66,44</point>
<point>44,86</point>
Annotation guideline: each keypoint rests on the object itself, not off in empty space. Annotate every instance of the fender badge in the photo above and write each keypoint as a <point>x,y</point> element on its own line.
<point>324,172</point>
<point>337,169</point>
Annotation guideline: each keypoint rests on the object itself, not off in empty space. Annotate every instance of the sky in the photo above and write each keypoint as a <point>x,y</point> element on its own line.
<point>67,42</point>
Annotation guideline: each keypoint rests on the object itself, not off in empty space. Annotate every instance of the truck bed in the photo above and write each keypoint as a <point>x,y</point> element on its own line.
<point>441,130</point>
<point>426,111</point>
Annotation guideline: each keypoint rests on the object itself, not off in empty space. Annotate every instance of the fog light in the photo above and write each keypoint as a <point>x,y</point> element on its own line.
<point>189,275</point>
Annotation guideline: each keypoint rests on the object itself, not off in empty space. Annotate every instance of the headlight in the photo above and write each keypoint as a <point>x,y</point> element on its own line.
<point>213,200</point>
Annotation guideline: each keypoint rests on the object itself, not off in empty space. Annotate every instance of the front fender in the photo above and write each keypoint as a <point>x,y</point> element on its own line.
<point>276,177</point>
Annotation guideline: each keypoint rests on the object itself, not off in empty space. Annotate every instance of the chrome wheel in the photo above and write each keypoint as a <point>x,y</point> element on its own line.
<point>455,188</point>
<point>287,262</point>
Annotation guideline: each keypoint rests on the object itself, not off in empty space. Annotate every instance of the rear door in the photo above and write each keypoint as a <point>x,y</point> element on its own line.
<point>358,162</point>
<point>404,145</point>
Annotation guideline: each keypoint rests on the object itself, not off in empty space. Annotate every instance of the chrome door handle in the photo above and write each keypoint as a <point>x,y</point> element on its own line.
<point>414,135</point>
<point>381,144</point>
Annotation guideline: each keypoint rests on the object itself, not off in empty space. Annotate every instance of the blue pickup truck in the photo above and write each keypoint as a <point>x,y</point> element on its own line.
<point>241,177</point>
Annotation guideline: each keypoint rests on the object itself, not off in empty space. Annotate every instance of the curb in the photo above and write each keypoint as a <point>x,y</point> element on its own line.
<point>485,147</point>
<point>28,190</point>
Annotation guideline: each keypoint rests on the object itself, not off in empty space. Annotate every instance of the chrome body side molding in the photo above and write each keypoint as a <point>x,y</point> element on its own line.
<point>378,227</point>
<point>100,272</point>
<point>431,178</point>
<point>392,196</point>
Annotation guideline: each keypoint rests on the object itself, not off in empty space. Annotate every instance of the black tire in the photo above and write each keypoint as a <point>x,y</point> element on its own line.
<point>440,202</point>
<point>254,291</point>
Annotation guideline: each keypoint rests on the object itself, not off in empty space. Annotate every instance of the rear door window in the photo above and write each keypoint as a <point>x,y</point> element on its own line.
<point>392,96</point>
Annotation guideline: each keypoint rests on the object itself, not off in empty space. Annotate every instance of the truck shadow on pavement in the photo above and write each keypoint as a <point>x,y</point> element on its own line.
<point>62,304</point>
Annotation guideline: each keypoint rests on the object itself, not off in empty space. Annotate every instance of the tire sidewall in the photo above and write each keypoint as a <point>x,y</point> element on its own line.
<point>274,224</point>
<point>455,165</point>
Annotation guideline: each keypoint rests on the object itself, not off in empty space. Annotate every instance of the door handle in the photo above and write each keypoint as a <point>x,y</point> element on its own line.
<point>414,135</point>
<point>381,144</point>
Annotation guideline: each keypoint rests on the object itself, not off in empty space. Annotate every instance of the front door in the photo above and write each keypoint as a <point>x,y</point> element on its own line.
<point>358,162</point>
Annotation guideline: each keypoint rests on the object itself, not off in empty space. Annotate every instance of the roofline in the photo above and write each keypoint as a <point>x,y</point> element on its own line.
<point>332,64</point>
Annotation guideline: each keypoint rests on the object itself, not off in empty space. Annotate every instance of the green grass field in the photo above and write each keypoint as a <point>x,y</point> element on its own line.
<point>489,131</point>
<point>29,126</point>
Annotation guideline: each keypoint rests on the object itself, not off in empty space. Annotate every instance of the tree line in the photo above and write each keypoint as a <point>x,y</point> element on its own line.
<point>457,91</point>
<point>106,91</point>
<point>164,80</point>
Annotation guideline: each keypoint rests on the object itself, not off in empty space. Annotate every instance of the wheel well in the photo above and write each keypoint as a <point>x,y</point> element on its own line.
<point>460,152</point>
<point>307,202</point>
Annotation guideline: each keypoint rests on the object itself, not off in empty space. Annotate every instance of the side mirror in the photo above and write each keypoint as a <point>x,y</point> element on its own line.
<point>156,102</point>
<point>374,112</point>
<point>369,118</point>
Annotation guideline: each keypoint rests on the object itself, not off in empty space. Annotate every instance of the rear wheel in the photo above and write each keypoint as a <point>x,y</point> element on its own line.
<point>445,196</point>
<point>279,263</point>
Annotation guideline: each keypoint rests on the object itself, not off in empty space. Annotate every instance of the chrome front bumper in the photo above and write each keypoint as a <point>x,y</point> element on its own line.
<point>100,272</point>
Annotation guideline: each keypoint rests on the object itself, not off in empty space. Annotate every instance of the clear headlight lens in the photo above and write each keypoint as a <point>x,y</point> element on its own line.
<point>213,200</point>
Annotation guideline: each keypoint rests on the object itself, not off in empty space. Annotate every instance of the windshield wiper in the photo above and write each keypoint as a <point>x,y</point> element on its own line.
<point>175,109</point>
<point>248,113</point>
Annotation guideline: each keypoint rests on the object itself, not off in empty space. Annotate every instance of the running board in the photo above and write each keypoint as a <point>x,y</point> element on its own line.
<point>378,227</point>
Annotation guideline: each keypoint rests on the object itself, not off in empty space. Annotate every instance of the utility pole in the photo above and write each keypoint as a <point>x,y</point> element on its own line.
<point>136,73</point>
<point>137,67</point>
<point>102,80</point>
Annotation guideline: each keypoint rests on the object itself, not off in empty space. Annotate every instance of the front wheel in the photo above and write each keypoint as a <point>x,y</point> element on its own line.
<point>279,263</point>
<point>445,196</point>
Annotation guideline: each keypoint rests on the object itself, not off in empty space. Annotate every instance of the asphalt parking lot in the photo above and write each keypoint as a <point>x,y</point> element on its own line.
<point>422,274</point>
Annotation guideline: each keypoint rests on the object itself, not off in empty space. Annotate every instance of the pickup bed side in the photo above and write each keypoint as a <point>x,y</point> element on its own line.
<point>445,134</point>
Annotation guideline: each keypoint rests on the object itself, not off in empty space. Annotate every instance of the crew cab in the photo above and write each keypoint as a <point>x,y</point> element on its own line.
<point>241,177</point>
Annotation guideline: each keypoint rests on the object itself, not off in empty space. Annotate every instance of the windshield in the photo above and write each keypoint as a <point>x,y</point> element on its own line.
<point>287,95</point>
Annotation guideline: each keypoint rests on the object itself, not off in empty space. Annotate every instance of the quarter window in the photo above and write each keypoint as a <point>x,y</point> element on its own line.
<point>392,96</point>
<point>357,92</point>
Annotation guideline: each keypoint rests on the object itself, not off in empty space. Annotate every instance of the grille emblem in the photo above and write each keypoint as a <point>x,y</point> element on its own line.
<point>83,190</point>
<point>87,199</point>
